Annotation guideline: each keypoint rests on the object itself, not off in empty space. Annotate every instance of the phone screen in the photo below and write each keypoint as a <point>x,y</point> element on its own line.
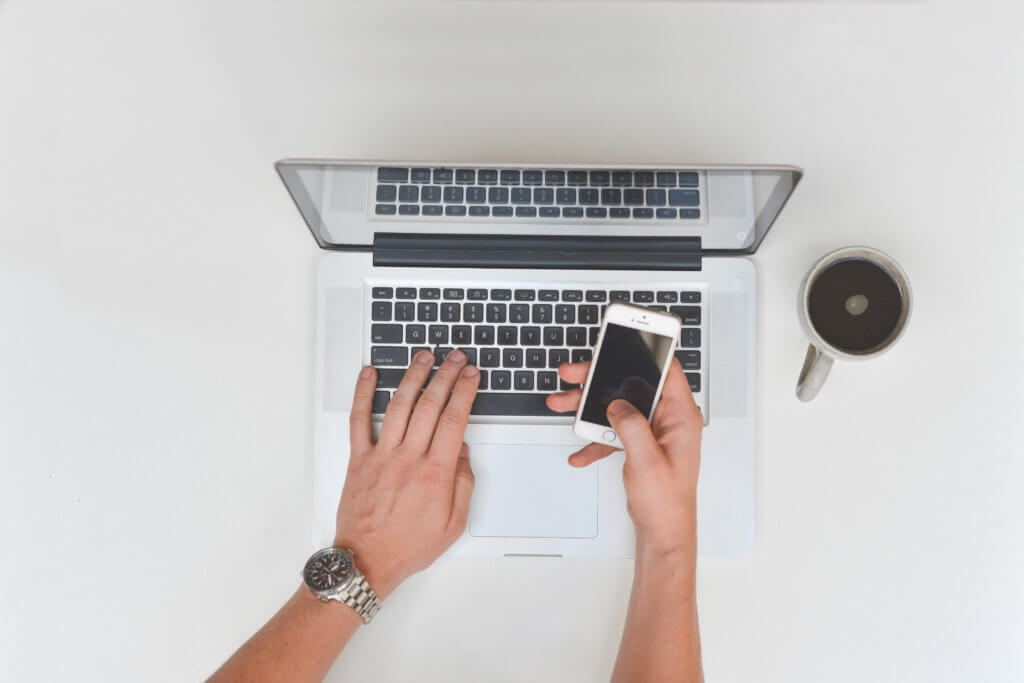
<point>629,366</point>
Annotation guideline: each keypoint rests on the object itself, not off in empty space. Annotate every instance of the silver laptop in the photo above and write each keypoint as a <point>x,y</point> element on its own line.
<point>514,264</point>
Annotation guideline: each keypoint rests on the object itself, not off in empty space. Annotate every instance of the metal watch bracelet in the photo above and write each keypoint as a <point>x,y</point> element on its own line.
<point>360,597</point>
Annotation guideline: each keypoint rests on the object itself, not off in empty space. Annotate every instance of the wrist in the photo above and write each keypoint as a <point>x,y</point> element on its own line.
<point>381,578</point>
<point>672,564</point>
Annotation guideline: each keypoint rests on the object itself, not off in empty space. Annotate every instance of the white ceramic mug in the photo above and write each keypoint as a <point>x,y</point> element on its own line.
<point>821,352</point>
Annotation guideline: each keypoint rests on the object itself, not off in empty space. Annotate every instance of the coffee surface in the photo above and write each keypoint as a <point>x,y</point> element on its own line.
<point>854,304</point>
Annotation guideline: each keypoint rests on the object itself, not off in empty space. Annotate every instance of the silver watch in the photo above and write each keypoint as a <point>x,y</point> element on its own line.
<point>331,574</point>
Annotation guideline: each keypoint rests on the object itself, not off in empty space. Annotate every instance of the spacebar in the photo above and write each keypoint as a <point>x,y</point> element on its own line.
<point>511,404</point>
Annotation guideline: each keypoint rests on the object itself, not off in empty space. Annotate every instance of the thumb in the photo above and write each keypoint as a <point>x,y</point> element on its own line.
<point>464,481</point>
<point>634,432</point>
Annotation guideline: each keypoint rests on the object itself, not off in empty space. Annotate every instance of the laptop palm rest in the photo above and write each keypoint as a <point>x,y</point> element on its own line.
<point>531,492</point>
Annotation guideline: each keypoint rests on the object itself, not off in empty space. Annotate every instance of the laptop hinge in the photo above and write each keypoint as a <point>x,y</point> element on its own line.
<point>536,251</point>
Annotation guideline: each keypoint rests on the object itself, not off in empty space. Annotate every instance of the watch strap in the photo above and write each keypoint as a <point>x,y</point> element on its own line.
<point>359,596</point>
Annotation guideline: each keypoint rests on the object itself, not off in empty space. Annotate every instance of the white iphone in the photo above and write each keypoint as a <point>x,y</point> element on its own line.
<point>630,362</point>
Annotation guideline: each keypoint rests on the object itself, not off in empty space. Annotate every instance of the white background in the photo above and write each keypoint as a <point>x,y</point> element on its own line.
<point>156,298</point>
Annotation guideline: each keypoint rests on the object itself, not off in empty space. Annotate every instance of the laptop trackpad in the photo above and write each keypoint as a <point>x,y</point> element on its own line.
<point>531,491</point>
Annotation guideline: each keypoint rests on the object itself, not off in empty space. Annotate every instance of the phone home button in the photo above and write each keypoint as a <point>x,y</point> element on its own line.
<point>608,435</point>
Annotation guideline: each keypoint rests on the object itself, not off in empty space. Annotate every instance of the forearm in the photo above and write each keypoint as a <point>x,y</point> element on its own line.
<point>661,638</point>
<point>300,643</point>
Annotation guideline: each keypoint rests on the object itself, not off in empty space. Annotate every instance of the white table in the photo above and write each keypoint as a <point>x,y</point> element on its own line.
<point>156,322</point>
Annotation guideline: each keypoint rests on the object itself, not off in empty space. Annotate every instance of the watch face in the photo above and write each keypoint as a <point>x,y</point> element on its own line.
<point>328,569</point>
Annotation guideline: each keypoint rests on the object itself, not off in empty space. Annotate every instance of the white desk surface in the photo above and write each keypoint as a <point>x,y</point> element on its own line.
<point>156,322</point>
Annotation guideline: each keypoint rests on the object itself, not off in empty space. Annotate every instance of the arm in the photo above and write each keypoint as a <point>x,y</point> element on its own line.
<point>405,500</point>
<point>661,639</point>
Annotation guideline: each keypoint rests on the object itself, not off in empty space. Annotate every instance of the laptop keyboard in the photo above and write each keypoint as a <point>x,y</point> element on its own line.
<point>665,195</point>
<point>516,337</point>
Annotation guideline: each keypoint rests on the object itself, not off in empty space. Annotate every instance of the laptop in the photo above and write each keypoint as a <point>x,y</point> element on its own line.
<point>514,264</point>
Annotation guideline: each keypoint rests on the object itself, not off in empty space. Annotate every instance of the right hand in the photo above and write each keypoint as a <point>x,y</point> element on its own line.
<point>662,458</point>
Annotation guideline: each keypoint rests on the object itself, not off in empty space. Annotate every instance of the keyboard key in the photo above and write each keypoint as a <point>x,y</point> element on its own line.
<point>554,336</point>
<point>462,335</point>
<point>408,193</point>
<point>443,176</point>
<point>521,195</point>
<point>565,314</point>
<point>532,177</point>
<point>576,177</point>
<point>519,313</point>
<point>454,293</point>
<point>473,313</point>
<point>487,177</point>
<point>477,294</point>
<point>385,209</point>
<point>548,295</point>
<point>380,310</point>
<point>524,380</point>
<point>482,386</point>
<point>501,211</point>
<point>688,179</point>
<point>426,312</point>
<point>666,179</point>
<point>592,335</point>
<point>693,378</point>
<point>690,315</point>
<point>430,293</point>
<point>554,177</point>
<point>565,195</point>
<point>497,195</point>
<point>512,358</point>
<point>663,309</point>
<point>572,295</point>
<point>513,404</point>
<point>619,295</point>
<point>381,399</point>
<point>667,297</point>
<point>643,297</point>
<point>509,177</point>
<point>643,178</point>
<point>600,178</point>
<point>666,213</point>
<point>549,212</point>
<point>557,358</point>
<point>386,193</point>
<point>633,197</point>
<point>440,354</point>
<point>476,195</point>
<point>547,381</point>
<point>420,175</point>
<point>431,210</point>
<point>389,378</point>
<point>409,209</point>
<point>496,313</point>
<point>622,178</point>
<point>611,196</point>
<point>655,197</point>
<point>597,295</point>
<point>405,310</point>
<point>572,212</point>
<point>526,211</point>
<point>382,292</point>
<point>406,292</point>
<point>529,335</point>
<point>582,355</point>
<point>450,312</point>
<point>643,212</point>
<point>417,349</point>
<point>389,355</point>
<point>508,335</point>
<point>690,360</point>
<point>543,195</point>
<point>438,334</point>
<point>501,294</point>
<point>618,212</point>
<point>525,295</point>
<point>576,336</point>
<point>684,197</point>
<point>490,358</point>
<point>470,355</point>
<point>392,175</point>
<point>500,379</point>
<point>453,194</point>
<point>541,314</point>
<point>415,334</point>
<point>589,196</point>
<point>386,334</point>
<point>479,211</point>
<point>689,213</point>
<point>689,297</point>
<point>689,338</point>
<point>588,315</point>
<point>465,176</point>
<point>455,210</point>
<point>597,212</point>
<point>430,194</point>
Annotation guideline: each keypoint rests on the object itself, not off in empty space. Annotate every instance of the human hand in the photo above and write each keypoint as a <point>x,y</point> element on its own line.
<point>406,497</point>
<point>662,458</point>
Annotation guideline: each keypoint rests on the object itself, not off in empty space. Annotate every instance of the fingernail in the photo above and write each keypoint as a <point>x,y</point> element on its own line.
<point>424,357</point>
<point>469,371</point>
<point>618,406</point>
<point>457,356</point>
<point>365,373</point>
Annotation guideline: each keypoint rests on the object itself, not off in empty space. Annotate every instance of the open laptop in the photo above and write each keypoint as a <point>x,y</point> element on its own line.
<point>514,264</point>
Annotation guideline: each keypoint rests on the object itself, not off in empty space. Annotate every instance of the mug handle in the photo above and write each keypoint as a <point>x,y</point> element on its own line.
<point>813,374</point>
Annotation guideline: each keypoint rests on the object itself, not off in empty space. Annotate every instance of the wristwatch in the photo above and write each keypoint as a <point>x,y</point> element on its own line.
<point>331,574</point>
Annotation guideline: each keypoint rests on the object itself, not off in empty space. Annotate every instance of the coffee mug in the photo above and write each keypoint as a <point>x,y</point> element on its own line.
<point>854,304</point>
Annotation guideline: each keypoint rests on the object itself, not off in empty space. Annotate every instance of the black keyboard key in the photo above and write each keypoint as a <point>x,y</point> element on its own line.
<point>597,295</point>
<point>500,379</point>
<point>593,334</point>
<point>667,297</point>
<point>496,313</point>
<point>643,212</point>
<point>611,196</point>
<point>430,194</point>
<point>431,210</point>
<point>666,179</point>
<point>440,353</point>
<point>633,197</point>
<point>482,386</point>
<point>430,293</point>
<point>404,311</point>
<point>508,335</point>
<point>689,338</point>
<point>690,360</point>
<point>382,292</point>
<point>476,195</point>
<point>529,335</point>
<point>689,297</point>
<point>656,197</point>
<point>501,294</point>
<point>689,213</point>
<point>576,336</point>
<point>619,295</point>
<point>532,177</point>
<point>582,355</point>
<point>589,315</point>
<point>565,314</point>
<point>643,178</point>
<point>693,378</point>
<point>548,295</point>
<point>420,175</point>
<point>543,195</point>
<point>453,194</point>
<point>622,178</point>
<point>465,176</point>
<point>386,193</point>
<point>380,402</point>
<point>479,211</point>
<point>454,293</point>
<point>618,212</point>
<point>462,335</point>
<point>450,312</point>
<point>572,295</point>
<point>549,212</point>
<point>497,195</point>
<point>658,308</point>
<point>473,313</point>
<point>406,292</point>
<point>416,349</point>
<point>600,178</point>
<point>385,209</point>
<point>490,358</point>
<point>415,334</point>
<point>554,177</point>
<point>392,175</point>
<point>437,334</point>
<point>525,295</point>
<point>520,195</point>
<point>547,381</point>
<point>443,176</point>
<point>688,179</point>
<point>389,378</point>
<point>409,209</point>
<point>477,294</point>
<point>386,334</point>
<point>470,355</point>
<point>557,358</point>
<point>690,315</point>
<point>487,176</point>
<point>643,297</point>
<point>523,404</point>
<point>510,177</point>
<point>380,310</point>
<point>523,380</point>
<point>535,358</point>
<point>501,211</point>
<point>597,212</point>
<point>565,386</point>
<point>576,177</point>
<point>519,313</point>
<point>666,213</point>
<point>426,312</point>
<point>541,314</point>
<point>554,336</point>
<point>572,212</point>
<point>589,196</point>
<point>684,197</point>
<point>512,358</point>
<point>526,211</point>
<point>565,195</point>
<point>408,193</point>
<point>389,355</point>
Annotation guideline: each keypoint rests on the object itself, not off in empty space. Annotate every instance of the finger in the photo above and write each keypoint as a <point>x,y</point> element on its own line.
<point>680,408</point>
<point>360,432</point>
<point>396,417</point>
<point>574,373</point>
<point>564,401</point>
<point>590,453</point>
<point>676,386</point>
<point>461,496</point>
<point>635,433</point>
<point>424,418</point>
<point>451,426</point>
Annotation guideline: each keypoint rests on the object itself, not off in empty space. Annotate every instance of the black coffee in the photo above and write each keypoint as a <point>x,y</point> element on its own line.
<point>855,305</point>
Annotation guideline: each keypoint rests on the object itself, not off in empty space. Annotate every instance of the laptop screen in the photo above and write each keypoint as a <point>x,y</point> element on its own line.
<point>729,208</point>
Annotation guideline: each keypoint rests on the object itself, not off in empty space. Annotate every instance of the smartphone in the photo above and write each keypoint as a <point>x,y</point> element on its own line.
<point>630,362</point>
